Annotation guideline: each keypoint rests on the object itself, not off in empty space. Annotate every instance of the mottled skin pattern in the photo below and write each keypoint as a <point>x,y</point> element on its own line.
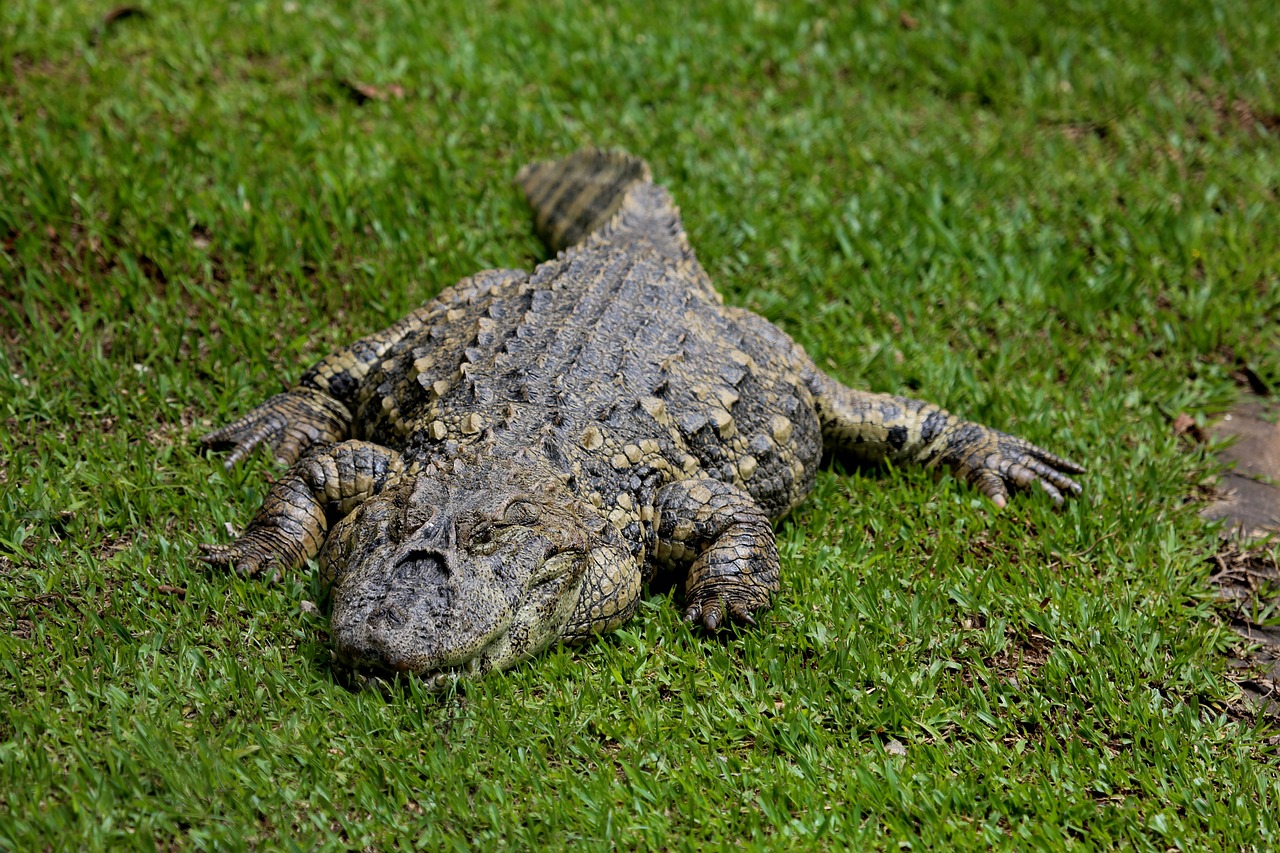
<point>506,466</point>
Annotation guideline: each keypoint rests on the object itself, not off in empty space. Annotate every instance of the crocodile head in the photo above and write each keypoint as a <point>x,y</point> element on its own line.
<point>458,569</point>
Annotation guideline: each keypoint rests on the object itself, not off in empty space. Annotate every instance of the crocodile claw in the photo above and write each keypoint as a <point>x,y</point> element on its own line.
<point>289,423</point>
<point>992,461</point>
<point>246,556</point>
<point>712,614</point>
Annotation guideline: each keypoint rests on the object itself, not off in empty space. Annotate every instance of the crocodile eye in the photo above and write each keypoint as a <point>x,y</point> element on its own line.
<point>482,533</point>
<point>521,512</point>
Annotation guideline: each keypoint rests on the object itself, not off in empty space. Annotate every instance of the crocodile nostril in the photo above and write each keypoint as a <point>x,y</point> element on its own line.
<point>420,565</point>
<point>392,615</point>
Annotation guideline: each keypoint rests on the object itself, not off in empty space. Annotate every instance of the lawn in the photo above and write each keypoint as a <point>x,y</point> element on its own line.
<point>1057,219</point>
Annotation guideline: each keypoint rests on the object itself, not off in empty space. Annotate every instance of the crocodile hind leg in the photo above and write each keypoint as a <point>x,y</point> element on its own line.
<point>321,488</point>
<point>879,426</point>
<point>726,542</point>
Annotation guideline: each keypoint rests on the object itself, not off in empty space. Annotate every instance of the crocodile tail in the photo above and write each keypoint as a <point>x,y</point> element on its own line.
<point>596,192</point>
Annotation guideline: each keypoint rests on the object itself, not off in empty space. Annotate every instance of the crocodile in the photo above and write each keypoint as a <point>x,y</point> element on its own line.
<point>507,466</point>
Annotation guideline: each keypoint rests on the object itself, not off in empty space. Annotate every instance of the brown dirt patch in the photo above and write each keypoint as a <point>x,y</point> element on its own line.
<point>1249,493</point>
<point>1248,582</point>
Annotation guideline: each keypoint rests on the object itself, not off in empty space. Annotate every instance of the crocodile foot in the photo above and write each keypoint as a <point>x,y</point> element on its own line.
<point>291,423</point>
<point>992,461</point>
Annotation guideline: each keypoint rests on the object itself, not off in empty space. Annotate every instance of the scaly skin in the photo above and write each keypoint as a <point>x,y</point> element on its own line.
<point>505,467</point>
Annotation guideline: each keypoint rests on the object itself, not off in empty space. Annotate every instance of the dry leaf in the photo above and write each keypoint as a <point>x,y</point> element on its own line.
<point>1186,425</point>
<point>115,15</point>
<point>363,92</point>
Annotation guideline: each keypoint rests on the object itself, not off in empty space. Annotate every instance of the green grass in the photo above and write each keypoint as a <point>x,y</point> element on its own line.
<point>1059,219</point>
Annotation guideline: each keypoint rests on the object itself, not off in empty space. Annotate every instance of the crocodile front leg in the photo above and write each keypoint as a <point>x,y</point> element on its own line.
<point>726,542</point>
<point>879,426</point>
<point>320,489</point>
<point>874,427</point>
<point>319,409</point>
<point>290,423</point>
